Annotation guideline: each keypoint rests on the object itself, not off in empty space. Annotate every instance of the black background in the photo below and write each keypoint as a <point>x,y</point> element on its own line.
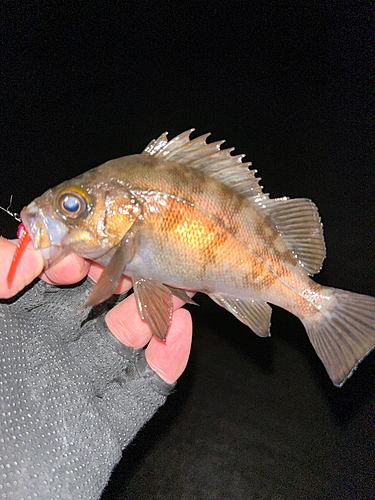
<point>291,85</point>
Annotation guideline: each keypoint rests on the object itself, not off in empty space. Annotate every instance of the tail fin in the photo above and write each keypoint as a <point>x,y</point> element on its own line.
<point>343,333</point>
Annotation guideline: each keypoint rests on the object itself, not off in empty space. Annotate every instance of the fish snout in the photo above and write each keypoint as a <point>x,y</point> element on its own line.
<point>45,232</point>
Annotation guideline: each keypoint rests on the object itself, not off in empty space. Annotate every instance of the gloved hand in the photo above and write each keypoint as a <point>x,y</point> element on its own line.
<point>72,395</point>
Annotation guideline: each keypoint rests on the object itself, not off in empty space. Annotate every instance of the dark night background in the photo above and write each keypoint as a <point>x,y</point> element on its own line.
<point>291,85</point>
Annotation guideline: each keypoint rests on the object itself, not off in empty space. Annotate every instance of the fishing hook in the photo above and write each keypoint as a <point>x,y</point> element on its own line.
<point>14,215</point>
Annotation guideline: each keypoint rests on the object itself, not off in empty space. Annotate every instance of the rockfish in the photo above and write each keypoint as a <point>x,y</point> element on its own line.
<point>187,215</point>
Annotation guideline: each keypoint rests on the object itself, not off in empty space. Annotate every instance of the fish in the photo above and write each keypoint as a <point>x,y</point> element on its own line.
<point>187,215</point>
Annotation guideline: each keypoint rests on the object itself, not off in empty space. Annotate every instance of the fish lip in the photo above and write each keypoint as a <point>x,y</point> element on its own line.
<point>36,223</point>
<point>29,216</point>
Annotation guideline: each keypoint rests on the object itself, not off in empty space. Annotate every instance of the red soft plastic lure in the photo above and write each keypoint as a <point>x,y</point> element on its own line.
<point>24,239</point>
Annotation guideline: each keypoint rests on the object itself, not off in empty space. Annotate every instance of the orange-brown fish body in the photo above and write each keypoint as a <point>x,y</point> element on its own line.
<point>198,234</point>
<point>186,215</point>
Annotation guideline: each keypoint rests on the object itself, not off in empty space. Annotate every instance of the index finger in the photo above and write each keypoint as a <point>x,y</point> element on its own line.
<point>67,271</point>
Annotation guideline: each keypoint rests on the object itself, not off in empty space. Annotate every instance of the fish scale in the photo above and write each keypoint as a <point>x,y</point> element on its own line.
<point>187,215</point>
<point>193,240</point>
<point>190,247</point>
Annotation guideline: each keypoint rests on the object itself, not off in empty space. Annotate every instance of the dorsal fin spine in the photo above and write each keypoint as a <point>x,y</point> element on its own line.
<point>297,221</point>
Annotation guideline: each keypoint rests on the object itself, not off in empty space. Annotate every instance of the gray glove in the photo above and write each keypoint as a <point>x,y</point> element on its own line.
<point>71,395</point>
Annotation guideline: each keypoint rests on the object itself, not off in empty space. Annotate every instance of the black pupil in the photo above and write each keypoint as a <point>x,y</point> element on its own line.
<point>71,204</point>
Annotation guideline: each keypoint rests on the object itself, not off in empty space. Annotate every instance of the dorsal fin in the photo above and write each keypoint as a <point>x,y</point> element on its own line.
<point>210,159</point>
<point>297,220</point>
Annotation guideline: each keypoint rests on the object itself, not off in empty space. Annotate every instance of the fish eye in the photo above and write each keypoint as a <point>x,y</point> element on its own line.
<point>72,203</point>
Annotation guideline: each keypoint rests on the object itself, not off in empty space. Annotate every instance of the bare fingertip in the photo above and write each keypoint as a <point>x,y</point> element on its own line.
<point>69,270</point>
<point>126,324</point>
<point>169,359</point>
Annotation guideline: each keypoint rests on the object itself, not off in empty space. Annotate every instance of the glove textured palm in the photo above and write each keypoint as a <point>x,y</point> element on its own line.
<point>71,395</point>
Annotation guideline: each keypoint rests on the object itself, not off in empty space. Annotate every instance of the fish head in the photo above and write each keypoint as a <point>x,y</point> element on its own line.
<point>82,216</point>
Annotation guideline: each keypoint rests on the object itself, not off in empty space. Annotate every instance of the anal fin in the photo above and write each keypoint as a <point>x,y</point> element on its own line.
<point>254,314</point>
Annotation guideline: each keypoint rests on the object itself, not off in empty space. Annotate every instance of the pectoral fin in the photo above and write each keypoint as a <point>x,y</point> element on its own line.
<point>155,305</point>
<point>111,275</point>
<point>256,315</point>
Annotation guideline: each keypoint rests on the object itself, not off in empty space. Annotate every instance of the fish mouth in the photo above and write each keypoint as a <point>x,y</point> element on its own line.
<point>46,233</point>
